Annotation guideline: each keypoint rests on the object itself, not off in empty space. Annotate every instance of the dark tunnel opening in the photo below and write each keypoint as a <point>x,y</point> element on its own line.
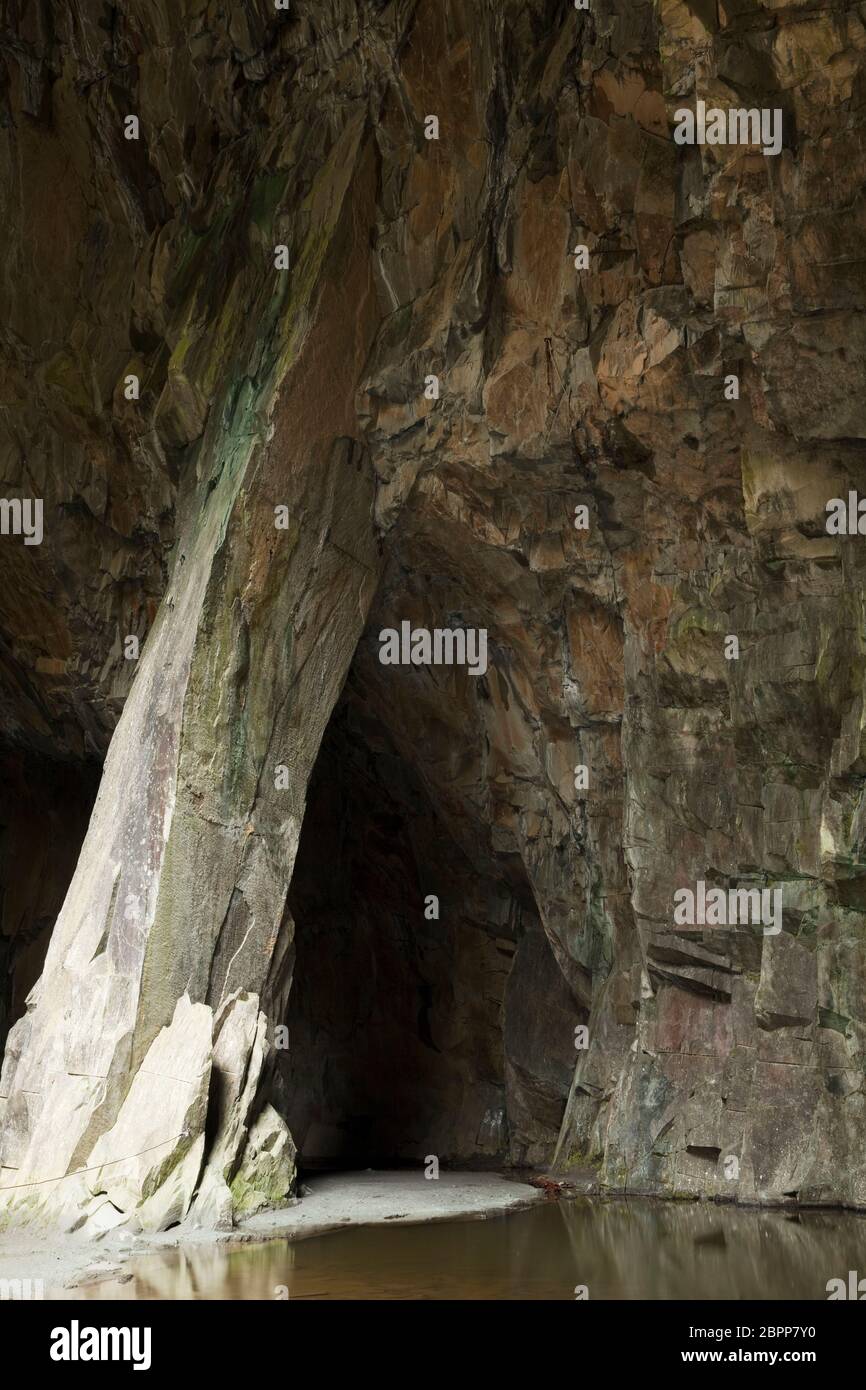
<point>427,1014</point>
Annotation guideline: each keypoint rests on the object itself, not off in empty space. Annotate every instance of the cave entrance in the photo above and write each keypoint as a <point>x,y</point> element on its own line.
<point>427,1014</point>
<point>45,807</point>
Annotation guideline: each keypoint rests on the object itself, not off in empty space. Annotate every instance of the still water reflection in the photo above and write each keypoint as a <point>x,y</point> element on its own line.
<point>619,1249</point>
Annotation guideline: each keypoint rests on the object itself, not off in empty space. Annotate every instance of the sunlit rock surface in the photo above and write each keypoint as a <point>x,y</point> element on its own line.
<point>559,388</point>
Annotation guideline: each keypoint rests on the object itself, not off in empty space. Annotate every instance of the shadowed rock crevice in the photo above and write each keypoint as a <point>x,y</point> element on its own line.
<point>44,809</point>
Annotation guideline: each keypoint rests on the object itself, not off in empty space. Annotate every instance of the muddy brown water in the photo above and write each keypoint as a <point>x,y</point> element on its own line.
<point>617,1249</point>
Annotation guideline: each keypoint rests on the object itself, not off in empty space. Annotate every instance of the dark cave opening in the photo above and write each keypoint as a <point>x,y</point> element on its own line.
<point>45,807</point>
<point>427,1015</point>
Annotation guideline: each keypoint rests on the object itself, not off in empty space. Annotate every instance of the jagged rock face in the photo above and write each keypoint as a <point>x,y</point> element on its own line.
<point>560,387</point>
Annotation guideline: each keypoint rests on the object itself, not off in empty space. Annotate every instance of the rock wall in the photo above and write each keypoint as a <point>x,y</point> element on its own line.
<point>721,1060</point>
